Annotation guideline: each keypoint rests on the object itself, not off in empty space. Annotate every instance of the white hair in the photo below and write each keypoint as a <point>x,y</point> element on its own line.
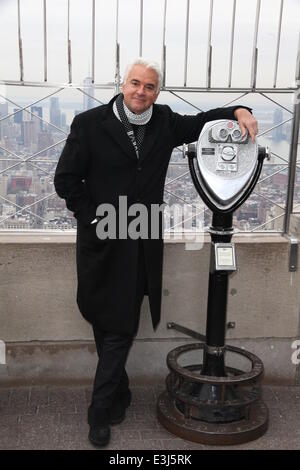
<point>149,65</point>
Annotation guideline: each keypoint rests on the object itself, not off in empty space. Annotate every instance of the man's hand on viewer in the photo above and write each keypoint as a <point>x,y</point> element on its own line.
<point>246,121</point>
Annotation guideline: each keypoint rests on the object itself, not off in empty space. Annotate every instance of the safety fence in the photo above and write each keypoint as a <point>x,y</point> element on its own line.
<point>35,114</point>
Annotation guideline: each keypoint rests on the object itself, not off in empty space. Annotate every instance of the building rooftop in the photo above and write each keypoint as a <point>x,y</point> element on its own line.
<point>55,418</point>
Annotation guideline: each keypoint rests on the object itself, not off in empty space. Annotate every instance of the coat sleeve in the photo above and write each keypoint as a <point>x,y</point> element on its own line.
<point>186,129</point>
<point>69,176</point>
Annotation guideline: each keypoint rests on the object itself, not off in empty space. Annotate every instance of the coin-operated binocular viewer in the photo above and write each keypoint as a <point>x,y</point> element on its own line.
<point>211,402</point>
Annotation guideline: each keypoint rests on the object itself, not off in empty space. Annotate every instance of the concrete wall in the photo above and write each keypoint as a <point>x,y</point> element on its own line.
<point>47,339</point>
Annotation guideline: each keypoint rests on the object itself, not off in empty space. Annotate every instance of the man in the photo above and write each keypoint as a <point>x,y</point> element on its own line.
<point>122,149</point>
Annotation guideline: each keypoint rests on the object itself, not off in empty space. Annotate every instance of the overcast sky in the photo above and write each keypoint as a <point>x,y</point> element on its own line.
<point>128,36</point>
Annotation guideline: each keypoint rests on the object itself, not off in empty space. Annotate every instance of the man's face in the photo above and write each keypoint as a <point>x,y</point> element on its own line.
<point>140,89</point>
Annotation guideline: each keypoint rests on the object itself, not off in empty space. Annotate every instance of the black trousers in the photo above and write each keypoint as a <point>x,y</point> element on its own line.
<point>111,378</point>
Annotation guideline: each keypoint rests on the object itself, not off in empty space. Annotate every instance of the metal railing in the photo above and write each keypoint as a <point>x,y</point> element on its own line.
<point>252,86</point>
<point>174,91</point>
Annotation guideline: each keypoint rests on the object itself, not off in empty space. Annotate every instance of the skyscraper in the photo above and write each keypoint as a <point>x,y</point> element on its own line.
<point>277,119</point>
<point>3,108</point>
<point>30,133</point>
<point>55,113</point>
<point>38,110</point>
<point>18,117</point>
<point>63,120</point>
<point>88,87</point>
<point>3,113</point>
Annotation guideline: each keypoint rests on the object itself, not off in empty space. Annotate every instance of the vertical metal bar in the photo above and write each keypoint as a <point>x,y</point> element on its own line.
<point>117,21</point>
<point>255,50</point>
<point>292,167</point>
<point>117,69</point>
<point>117,75</point>
<point>141,29</point>
<point>93,42</point>
<point>293,149</point>
<point>278,44</point>
<point>209,46</point>
<point>20,44</point>
<point>45,42</point>
<point>164,49</point>
<point>186,40</point>
<point>297,73</point>
<point>69,46</point>
<point>231,42</point>
<point>164,56</point>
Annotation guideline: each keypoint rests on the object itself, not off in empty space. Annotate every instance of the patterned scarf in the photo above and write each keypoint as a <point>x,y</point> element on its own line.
<point>128,119</point>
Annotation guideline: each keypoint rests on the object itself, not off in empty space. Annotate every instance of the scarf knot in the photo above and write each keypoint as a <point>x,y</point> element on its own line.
<point>129,119</point>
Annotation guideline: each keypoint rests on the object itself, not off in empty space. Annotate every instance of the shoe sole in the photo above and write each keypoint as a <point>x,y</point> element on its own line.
<point>99,443</point>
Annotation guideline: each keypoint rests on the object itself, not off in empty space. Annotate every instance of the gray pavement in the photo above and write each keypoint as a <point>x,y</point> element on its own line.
<point>54,417</point>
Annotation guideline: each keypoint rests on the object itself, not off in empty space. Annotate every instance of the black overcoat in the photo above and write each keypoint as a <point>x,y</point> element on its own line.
<point>97,165</point>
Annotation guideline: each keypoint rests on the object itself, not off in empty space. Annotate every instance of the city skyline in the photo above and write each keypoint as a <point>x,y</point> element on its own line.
<point>27,183</point>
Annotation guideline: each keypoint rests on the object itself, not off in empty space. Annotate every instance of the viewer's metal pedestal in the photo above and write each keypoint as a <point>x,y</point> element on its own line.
<point>210,402</point>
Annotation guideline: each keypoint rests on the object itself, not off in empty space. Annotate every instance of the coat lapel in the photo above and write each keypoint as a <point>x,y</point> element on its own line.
<point>116,130</point>
<point>153,129</point>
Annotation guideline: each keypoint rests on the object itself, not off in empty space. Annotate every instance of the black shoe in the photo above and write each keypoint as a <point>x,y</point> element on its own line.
<point>98,416</point>
<point>118,408</point>
<point>117,413</point>
<point>99,435</point>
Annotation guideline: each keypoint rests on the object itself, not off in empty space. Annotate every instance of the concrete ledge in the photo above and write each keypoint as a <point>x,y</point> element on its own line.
<point>13,236</point>
<point>75,361</point>
<point>47,339</point>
